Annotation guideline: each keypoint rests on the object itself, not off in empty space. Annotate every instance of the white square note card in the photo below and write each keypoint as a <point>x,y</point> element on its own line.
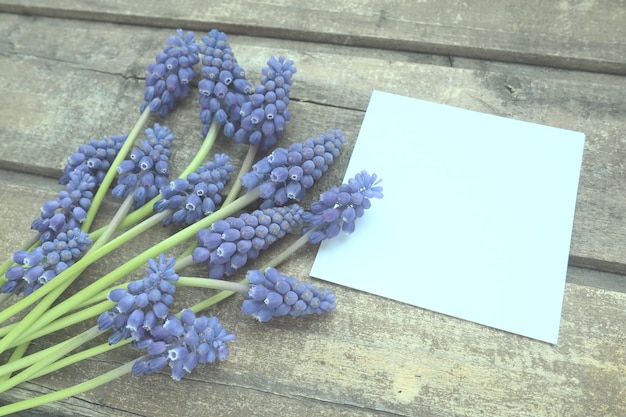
<point>476,218</point>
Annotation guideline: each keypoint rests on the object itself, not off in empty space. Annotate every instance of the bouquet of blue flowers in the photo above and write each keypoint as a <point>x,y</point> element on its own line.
<point>224,225</point>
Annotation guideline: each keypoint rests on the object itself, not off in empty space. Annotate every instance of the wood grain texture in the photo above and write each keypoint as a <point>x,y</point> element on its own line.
<point>65,81</point>
<point>585,35</point>
<point>66,91</point>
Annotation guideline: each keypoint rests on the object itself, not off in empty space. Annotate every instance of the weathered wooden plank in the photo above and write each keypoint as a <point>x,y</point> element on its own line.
<point>567,34</point>
<point>70,88</point>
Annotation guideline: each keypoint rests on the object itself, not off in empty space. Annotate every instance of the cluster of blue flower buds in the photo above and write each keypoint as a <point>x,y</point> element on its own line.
<point>228,245</point>
<point>339,207</point>
<point>223,88</point>
<point>35,268</point>
<point>146,170</point>
<point>197,196</point>
<point>97,156</point>
<point>69,209</point>
<point>168,79</point>
<point>264,114</point>
<point>142,313</point>
<point>183,343</point>
<point>143,303</point>
<point>273,294</point>
<point>287,173</point>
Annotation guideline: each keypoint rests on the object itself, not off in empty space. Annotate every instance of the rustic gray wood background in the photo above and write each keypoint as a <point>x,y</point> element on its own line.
<point>72,71</point>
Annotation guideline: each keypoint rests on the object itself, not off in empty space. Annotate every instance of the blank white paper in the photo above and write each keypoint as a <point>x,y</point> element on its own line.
<point>476,218</point>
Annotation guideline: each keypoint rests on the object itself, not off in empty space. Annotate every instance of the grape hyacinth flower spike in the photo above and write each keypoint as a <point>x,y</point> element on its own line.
<point>287,173</point>
<point>264,115</point>
<point>196,196</point>
<point>223,88</point>
<point>69,210</point>
<point>143,303</point>
<point>339,207</point>
<point>97,156</point>
<point>39,266</point>
<point>273,294</point>
<point>230,243</point>
<point>183,344</point>
<point>168,79</point>
<point>146,170</point>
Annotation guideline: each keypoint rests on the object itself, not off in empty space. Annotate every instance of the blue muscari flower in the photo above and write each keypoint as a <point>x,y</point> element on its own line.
<point>339,207</point>
<point>97,156</point>
<point>273,294</point>
<point>183,344</point>
<point>168,79</point>
<point>197,196</point>
<point>230,243</point>
<point>223,88</point>
<point>37,267</point>
<point>70,207</point>
<point>146,170</point>
<point>264,115</point>
<point>287,173</point>
<point>143,303</point>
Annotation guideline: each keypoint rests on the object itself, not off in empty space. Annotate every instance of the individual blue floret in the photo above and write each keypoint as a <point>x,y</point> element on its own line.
<point>183,344</point>
<point>229,244</point>
<point>223,88</point>
<point>339,207</point>
<point>143,303</point>
<point>273,294</point>
<point>168,79</point>
<point>264,114</point>
<point>35,268</point>
<point>196,196</point>
<point>287,173</point>
<point>97,156</point>
<point>146,170</point>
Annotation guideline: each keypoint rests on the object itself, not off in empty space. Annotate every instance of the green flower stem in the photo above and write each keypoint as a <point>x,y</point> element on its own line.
<point>112,172</point>
<point>33,358</point>
<point>55,353</point>
<point>127,268</point>
<point>69,320</point>
<point>102,296</point>
<point>68,392</point>
<point>211,301</point>
<point>33,316</point>
<point>6,329</point>
<point>17,354</point>
<point>303,240</point>
<point>183,262</point>
<point>110,228</point>
<point>204,150</point>
<point>214,284</point>
<point>245,167</point>
<point>80,356</point>
<point>29,360</point>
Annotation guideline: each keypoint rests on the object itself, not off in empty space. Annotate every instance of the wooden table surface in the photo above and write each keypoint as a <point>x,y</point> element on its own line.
<point>72,71</point>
